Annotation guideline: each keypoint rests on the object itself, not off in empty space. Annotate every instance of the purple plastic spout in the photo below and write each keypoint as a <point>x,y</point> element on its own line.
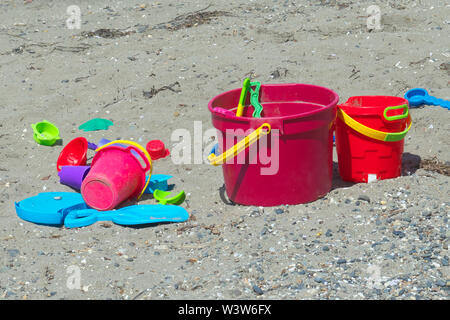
<point>73,176</point>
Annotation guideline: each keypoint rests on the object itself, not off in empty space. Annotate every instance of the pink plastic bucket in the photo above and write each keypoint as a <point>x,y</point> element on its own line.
<point>116,175</point>
<point>301,117</point>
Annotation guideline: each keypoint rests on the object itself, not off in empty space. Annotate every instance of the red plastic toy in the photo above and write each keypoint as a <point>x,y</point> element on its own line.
<point>73,154</point>
<point>157,150</point>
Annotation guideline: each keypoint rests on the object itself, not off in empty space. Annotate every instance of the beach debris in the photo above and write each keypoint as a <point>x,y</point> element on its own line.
<point>107,33</point>
<point>150,94</point>
<point>354,74</point>
<point>279,72</point>
<point>421,61</point>
<point>445,66</point>
<point>435,165</point>
<point>191,19</point>
<point>75,49</point>
<point>398,65</point>
<point>54,46</point>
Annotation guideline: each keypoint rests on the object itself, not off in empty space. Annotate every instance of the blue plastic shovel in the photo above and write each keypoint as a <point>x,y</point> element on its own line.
<point>419,96</point>
<point>48,207</point>
<point>81,216</point>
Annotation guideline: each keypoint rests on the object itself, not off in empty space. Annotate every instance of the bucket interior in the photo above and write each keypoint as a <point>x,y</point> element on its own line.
<point>46,130</point>
<point>73,154</point>
<point>369,110</point>
<point>76,152</point>
<point>281,109</point>
<point>374,101</point>
<point>373,105</point>
<point>280,101</point>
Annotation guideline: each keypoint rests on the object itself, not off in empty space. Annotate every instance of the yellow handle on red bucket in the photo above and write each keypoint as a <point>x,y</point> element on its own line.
<point>240,146</point>
<point>372,133</point>
<point>134,144</point>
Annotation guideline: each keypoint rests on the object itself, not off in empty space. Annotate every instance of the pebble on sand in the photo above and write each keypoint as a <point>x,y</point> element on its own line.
<point>257,290</point>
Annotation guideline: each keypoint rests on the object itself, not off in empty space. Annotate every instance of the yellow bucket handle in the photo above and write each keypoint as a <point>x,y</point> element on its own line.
<point>240,146</point>
<point>140,148</point>
<point>372,133</point>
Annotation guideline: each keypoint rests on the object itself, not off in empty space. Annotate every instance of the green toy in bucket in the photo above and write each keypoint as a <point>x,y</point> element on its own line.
<point>45,133</point>
<point>254,98</point>
<point>244,91</point>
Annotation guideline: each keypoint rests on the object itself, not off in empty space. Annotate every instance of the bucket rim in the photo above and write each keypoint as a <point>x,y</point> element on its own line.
<point>370,109</point>
<point>256,121</point>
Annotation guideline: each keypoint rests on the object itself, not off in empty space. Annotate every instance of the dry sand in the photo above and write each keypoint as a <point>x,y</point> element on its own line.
<point>338,247</point>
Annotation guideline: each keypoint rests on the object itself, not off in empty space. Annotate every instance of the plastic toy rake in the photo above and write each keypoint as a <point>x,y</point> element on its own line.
<point>254,98</point>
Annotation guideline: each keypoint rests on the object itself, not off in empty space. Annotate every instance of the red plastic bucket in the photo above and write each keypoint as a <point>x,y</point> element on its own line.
<point>369,137</point>
<point>301,118</point>
<point>116,175</point>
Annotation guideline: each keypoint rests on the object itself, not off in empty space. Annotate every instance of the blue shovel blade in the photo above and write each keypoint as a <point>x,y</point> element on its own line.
<point>47,207</point>
<point>132,215</point>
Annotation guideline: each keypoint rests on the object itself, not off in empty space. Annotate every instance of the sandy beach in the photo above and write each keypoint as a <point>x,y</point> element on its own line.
<point>151,68</point>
